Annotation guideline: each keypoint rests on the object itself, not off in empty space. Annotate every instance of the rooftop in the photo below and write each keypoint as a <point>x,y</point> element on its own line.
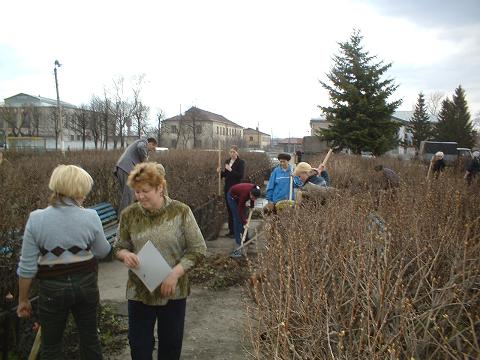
<point>25,99</point>
<point>204,115</point>
<point>256,131</point>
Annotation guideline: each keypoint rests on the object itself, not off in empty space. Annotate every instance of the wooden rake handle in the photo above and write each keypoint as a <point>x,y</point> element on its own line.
<point>324,162</point>
<point>36,345</point>
<point>245,228</point>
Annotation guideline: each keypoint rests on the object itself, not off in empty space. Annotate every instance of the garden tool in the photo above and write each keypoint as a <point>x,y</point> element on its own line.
<point>430,168</point>
<point>247,225</point>
<point>248,241</point>
<point>219,173</point>
<point>324,162</point>
<point>36,345</point>
<point>236,253</point>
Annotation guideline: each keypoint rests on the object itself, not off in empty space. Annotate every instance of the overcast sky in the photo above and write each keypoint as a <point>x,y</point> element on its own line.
<point>254,62</point>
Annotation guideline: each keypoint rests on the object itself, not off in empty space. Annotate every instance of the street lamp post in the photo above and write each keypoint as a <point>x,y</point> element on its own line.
<point>59,109</point>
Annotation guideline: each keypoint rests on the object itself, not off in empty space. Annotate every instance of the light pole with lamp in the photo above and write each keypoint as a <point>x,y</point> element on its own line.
<point>59,109</point>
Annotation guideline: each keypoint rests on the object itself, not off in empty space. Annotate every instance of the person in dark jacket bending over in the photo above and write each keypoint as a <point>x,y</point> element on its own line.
<point>237,197</point>
<point>233,172</point>
<point>308,175</point>
<point>473,167</point>
<point>438,164</point>
<point>134,154</point>
<point>389,177</point>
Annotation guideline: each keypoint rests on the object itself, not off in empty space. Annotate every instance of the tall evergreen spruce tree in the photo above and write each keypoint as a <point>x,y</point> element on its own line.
<point>454,121</point>
<point>360,116</point>
<point>420,125</point>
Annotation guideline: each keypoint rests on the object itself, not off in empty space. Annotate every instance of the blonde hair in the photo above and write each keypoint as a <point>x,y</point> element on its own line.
<point>69,181</point>
<point>148,173</point>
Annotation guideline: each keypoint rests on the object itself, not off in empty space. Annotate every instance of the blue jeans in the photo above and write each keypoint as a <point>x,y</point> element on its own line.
<point>141,322</point>
<point>237,221</point>
<point>77,293</point>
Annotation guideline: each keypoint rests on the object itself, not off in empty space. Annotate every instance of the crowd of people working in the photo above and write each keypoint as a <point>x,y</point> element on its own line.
<point>61,244</point>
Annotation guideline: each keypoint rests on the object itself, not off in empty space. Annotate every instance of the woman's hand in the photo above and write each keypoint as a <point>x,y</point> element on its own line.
<point>24,309</point>
<point>129,258</point>
<point>228,167</point>
<point>169,285</point>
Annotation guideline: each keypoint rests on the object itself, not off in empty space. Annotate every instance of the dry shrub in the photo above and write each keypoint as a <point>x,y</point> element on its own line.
<point>191,177</point>
<point>372,274</point>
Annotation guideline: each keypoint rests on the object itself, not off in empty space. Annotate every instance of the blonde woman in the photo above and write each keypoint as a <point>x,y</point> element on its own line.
<point>171,227</point>
<point>61,244</point>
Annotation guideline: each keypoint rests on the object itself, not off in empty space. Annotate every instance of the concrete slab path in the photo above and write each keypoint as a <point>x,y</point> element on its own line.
<point>215,319</point>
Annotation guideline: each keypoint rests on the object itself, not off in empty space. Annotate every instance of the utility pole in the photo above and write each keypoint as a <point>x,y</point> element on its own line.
<point>59,109</point>
<point>288,147</point>
<point>258,135</point>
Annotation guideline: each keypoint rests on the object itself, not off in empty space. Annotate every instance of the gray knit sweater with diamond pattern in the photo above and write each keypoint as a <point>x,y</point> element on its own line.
<point>62,234</point>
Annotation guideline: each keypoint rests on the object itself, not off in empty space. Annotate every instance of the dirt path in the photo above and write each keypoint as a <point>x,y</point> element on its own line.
<point>215,319</point>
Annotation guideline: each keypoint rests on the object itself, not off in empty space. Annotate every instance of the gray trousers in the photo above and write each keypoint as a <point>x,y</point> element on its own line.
<point>126,194</point>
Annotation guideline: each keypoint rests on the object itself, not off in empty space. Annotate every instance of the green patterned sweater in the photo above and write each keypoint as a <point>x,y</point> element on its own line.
<point>174,232</point>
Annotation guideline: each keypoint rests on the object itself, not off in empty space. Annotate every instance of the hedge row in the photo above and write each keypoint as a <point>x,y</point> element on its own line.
<point>372,274</point>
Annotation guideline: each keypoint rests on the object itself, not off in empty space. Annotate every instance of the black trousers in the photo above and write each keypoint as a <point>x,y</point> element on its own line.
<point>76,294</point>
<point>230,218</point>
<point>170,319</point>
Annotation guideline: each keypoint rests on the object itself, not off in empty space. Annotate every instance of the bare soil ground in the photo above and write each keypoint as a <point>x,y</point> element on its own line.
<point>215,319</point>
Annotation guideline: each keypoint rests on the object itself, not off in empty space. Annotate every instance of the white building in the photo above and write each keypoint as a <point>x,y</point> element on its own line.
<point>207,129</point>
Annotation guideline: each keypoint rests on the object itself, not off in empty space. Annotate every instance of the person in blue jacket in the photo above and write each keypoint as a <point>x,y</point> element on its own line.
<point>278,187</point>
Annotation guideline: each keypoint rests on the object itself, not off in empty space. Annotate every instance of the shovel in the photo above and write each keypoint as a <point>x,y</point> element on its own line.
<point>235,252</point>
<point>248,242</point>
<point>247,225</point>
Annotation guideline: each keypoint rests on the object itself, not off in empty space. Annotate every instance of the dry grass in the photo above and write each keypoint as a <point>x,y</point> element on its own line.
<point>337,284</point>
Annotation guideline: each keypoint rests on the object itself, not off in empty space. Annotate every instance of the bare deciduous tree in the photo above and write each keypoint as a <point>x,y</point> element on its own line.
<point>54,123</point>
<point>476,121</point>
<point>159,127</point>
<point>96,108</point>
<point>36,116</point>
<point>15,118</point>
<point>140,114</point>
<point>124,106</point>
<point>434,102</point>
<point>80,122</point>
<point>189,127</point>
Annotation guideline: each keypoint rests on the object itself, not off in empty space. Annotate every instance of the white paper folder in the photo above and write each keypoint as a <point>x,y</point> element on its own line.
<point>153,268</point>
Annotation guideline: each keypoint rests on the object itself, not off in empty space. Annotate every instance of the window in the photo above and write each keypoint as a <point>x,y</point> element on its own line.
<point>174,143</point>
<point>72,137</point>
<point>198,129</point>
<point>174,129</point>
<point>251,138</point>
<point>26,119</point>
<point>217,130</point>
